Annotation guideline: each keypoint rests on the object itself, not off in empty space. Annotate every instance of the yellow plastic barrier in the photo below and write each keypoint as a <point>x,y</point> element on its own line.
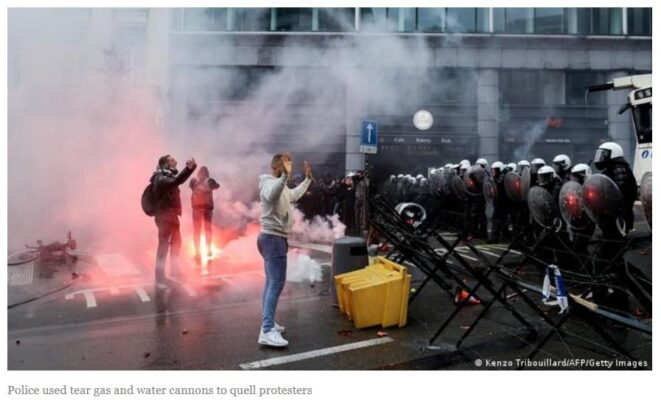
<point>375,295</point>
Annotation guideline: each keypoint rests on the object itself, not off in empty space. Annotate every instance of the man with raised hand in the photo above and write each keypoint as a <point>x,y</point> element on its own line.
<point>276,221</point>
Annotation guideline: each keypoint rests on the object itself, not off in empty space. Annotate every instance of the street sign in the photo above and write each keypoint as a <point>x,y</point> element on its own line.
<point>369,137</point>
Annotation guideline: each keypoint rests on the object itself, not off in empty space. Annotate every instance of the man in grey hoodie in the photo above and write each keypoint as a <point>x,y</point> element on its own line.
<point>276,221</point>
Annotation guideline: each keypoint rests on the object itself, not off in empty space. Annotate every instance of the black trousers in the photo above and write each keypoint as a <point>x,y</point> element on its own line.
<point>169,239</point>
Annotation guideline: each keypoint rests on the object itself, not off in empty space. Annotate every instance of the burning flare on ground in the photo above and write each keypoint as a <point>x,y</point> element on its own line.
<point>205,258</point>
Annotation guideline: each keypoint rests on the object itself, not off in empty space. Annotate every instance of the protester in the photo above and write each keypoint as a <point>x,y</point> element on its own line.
<point>202,188</point>
<point>166,180</point>
<point>276,221</point>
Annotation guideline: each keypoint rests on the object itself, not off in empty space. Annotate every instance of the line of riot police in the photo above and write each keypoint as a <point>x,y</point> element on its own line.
<point>527,198</point>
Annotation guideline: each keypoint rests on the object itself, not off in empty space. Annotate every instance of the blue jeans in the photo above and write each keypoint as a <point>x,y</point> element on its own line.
<point>274,251</point>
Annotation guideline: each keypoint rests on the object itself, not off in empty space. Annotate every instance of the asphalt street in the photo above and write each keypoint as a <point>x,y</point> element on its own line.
<point>104,312</point>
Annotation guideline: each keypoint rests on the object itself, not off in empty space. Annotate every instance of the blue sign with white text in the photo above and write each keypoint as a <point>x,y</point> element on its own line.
<point>369,137</point>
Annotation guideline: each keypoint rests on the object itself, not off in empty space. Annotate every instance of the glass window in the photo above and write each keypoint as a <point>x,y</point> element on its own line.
<point>406,22</point>
<point>251,19</point>
<point>392,19</point>
<point>606,21</point>
<point>387,19</point>
<point>293,19</point>
<point>499,20</point>
<point>549,20</point>
<point>205,19</point>
<point>576,84</point>
<point>482,20</point>
<point>460,20</point>
<point>520,87</point>
<point>639,21</point>
<point>337,19</point>
<point>429,19</point>
<point>642,116</point>
<point>518,20</point>
<point>578,21</point>
<point>373,19</point>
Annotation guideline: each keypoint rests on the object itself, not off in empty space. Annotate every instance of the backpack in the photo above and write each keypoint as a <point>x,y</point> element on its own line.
<point>149,200</point>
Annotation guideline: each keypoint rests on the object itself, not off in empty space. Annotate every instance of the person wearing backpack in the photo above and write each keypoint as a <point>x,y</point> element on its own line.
<point>167,208</point>
<point>202,204</point>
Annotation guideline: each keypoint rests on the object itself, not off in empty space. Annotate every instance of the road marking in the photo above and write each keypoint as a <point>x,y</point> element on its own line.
<point>20,275</point>
<point>482,250</point>
<point>463,250</point>
<point>503,247</point>
<point>270,362</point>
<point>91,300</point>
<point>142,294</point>
<point>87,293</point>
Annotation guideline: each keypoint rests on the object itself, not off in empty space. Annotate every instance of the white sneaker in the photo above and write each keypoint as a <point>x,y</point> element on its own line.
<point>278,328</point>
<point>272,338</point>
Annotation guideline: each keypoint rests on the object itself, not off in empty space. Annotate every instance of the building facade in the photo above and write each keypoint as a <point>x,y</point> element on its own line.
<point>501,83</point>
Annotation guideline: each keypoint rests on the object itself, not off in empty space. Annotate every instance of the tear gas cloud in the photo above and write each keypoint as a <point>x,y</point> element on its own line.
<point>529,134</point>
<point>88,121</point>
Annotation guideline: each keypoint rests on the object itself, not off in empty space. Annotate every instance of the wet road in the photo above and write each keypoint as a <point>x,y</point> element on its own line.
<point>113,317</point>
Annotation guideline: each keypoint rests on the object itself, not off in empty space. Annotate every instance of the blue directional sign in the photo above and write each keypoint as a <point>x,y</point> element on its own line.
<point>369,137</point>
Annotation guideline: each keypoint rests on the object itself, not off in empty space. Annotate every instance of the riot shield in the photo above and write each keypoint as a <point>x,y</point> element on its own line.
<point>572,206</point>
<point>457,188</point>
<point>543,208</point>
<point>513,187</point>
<point>490,190</point>
<point>473,179</point>
<point>414,214</point>
<point>604,203</point>
<point>646,197</point>
<point>447,178</point>
<point>436,183</point>
<point>525,182</point>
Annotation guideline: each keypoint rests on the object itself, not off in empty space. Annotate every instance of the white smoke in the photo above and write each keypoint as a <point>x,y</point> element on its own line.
<point>530,134</point>
<point>86,126</point>
<point>302,268</point>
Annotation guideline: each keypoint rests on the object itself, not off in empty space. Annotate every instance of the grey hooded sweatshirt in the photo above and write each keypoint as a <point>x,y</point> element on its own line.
<point>276,198</point>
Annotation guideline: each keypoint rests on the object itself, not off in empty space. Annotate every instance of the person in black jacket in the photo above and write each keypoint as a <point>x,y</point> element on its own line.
<point>552,248</point>
<point>581,236</point>
<point>609,160</point>
<point>562,167</point>
<point>501,205</point>
<point>202,188</point>
<point>549,180</point>
<point>166,180</point>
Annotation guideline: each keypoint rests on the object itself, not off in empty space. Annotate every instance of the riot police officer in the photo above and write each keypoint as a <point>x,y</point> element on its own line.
<point>580,237</point>
<point>609,160</point>
<point>521,165</point>
<point>549,180</point>
<point>562,166</point>
<point>501,204</point>
<point>535,165</point>
<point>552,248</point>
